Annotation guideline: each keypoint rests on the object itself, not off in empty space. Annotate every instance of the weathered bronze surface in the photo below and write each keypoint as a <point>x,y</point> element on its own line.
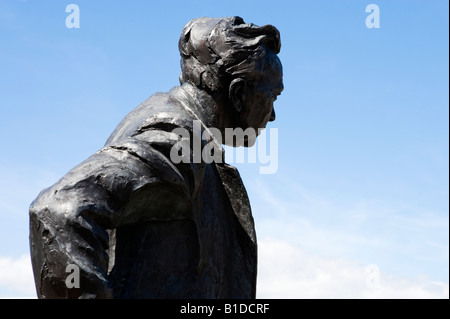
<point>136,223</point>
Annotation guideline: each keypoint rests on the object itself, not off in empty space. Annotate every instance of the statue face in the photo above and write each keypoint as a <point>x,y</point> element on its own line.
<point>260,94</point>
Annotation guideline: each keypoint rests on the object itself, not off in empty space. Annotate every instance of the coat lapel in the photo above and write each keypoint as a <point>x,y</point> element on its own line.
<point>238,197</point>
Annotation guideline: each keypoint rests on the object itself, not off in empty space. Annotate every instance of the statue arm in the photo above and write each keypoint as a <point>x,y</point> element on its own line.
<point>69,222</point>
<point>69,242</point>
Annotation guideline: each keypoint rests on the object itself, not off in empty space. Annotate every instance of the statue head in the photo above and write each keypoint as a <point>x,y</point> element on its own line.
<point>238,62</point>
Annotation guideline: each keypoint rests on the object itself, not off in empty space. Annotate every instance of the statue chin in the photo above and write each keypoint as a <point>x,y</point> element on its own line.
<point>241,140</point>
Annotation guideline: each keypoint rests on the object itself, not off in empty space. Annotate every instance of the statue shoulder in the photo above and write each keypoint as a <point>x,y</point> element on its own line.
<point>161,110</point>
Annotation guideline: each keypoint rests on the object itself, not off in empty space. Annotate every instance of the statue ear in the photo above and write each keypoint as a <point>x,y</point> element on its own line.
<point>237,94</point>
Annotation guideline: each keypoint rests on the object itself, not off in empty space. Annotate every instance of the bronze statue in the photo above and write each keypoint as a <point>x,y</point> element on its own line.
<point>138,224</point>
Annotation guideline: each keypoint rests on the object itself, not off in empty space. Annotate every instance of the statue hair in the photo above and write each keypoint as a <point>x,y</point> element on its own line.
<point>215,51</point>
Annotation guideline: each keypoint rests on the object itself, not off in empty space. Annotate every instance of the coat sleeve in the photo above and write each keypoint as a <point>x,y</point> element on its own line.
<point>122,184</point>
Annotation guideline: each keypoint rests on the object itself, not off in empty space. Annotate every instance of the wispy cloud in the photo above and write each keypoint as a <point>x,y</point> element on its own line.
<point>16,278</point>
<point>402,239</point>
<point>286,271</point>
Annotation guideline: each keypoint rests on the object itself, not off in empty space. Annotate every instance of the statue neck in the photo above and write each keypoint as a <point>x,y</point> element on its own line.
<point>208,108</point>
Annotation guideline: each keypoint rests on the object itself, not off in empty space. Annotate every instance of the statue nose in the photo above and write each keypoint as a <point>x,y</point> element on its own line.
<point>272,116</point>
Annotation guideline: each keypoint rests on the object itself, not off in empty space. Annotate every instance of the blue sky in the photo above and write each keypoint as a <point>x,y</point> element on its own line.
<point>363,131</point>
